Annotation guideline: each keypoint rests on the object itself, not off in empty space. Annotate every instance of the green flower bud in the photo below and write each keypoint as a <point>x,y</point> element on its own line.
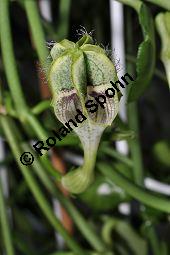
<point>80,72</point>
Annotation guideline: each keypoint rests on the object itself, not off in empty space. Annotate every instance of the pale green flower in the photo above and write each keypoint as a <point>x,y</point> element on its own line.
<point>79,72</point>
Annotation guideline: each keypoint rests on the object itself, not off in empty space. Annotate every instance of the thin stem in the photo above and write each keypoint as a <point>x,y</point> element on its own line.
<point>137,192</point>
<point>5,229</point>
<point>132,111</point>
<point>36,29</point>
<point>163,3</point>
<point>64,9</point>
<point>117,155</point>
<point>34,187</point>
<point>157,72</point>
<point>52,171</point>
<point>41,107</point>
<point>70,253</point>
<point>153,240</point>
<point>81,223</point>
<point>134,144</point>
<point>133,124</point>
<point>9,58</point>
<point>36,126</point>
<point>134,4</point>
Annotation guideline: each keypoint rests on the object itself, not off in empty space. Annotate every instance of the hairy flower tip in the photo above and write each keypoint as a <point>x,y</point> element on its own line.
<point>79,76</point>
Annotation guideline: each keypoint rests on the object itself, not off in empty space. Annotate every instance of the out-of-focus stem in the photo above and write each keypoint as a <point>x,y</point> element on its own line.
<point>134,4</point>
<point>81,223</point>
<point>117,155</point>
<point>40,170</point>
<point>36,29</point>
<point>9,59</point>
<point>5,229</point>
<point>64,9</point>
<point>36,126</point>
<point>162,24</point>
<point>11,71</point>
<point>34,187</point>
<point>153,240</point>
<point>137,192</point>
<point>163,3</point>
<point>135,144</point>
<point>133,120</point>
<point>157,72</point>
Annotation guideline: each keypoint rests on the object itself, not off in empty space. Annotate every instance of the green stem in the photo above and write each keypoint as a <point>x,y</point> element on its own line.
<point>132,111</point>
<point>81,223</point>
<point>117,155</point>
<point>135,144</point>
<point>137,192</point>
<point>64,8</point>
<point>9,58</point>
<point>157,72</point>
<point>34,187</point>
<point>134,4</point>
<point>133,124</point>
<point>163,3</point>
<point>70,253</point>
<point>36,126</point>
<point>52,171</point>
<point>155,244</point>
<point>41,107</point>
<point>11,70</point>
<point>5,225</point>
<point>36,29</point>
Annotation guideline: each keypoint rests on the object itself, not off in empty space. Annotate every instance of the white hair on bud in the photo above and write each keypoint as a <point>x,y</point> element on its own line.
<point>82,31</point>
<point>50,44</point>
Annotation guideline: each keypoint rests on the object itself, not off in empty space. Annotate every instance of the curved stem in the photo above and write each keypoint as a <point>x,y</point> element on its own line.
<point>40,107</point>
<point>141,194</point>
<point>134,144</point>
<point>64,8</point>
<point>134,4</point>
<point>81,223</point>
<point>9,59</point>
<point>132,111</point>
<point>34,187</point>
<point>155,244</point>
<point>117,155</point>
<point>133,123</point>
<point>36,126</point>
<point>5,225</point>
<point>163,3</point>
<point>157,72</point>
<point>36,29</point>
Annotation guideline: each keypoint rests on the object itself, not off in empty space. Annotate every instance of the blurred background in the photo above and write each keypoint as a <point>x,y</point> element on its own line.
<point>137,144</point>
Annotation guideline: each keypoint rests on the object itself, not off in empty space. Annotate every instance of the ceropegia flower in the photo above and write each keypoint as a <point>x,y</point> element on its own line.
<point>80,72</point>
